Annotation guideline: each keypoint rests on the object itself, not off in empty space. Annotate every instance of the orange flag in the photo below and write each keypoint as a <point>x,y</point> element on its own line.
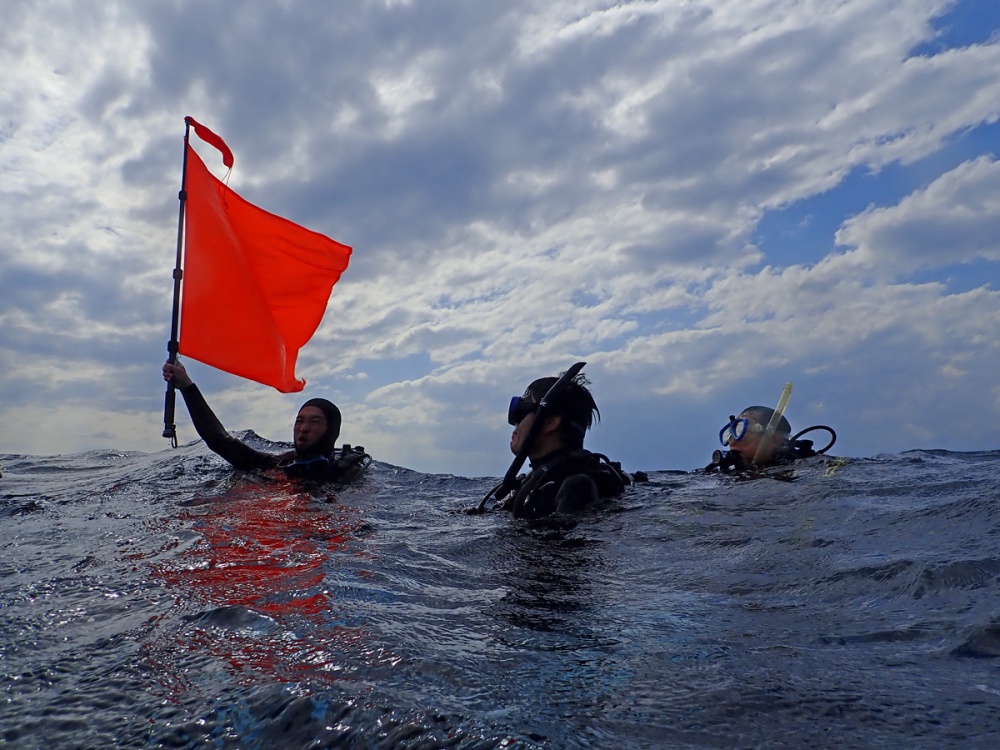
<point>255,285</point>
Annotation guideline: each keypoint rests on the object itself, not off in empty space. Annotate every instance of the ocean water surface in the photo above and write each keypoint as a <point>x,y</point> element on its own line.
<point>162,601</point>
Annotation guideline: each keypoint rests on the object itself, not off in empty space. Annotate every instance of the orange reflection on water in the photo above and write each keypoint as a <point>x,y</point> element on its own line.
<point>255,588</point>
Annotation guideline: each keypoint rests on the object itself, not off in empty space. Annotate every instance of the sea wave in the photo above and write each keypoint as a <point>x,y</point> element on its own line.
<point>162,600</point>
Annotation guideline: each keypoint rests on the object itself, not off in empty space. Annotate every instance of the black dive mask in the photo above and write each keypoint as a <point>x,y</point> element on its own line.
<point>519,408</point>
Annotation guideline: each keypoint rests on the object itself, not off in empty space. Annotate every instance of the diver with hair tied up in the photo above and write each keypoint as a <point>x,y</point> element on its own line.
<point>550,420</point>
<point>761,437</point>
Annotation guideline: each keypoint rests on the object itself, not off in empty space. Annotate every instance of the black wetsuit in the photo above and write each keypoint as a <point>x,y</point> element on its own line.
<point>340,467</point>
<point>566,481</point>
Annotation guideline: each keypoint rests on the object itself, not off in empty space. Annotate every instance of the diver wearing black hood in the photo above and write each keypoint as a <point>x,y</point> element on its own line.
<point>317,428</point>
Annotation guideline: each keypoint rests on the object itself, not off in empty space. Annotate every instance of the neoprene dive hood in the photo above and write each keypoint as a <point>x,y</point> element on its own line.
<point>328,443</point>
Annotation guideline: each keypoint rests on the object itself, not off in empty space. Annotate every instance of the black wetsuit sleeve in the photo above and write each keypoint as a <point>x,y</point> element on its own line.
<point>210,429</point>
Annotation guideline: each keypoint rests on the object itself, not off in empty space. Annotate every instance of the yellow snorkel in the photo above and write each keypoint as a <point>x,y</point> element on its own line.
<point>772,424</point>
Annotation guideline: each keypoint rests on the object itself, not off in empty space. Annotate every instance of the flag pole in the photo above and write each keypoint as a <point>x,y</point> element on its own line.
<point>169,428</point>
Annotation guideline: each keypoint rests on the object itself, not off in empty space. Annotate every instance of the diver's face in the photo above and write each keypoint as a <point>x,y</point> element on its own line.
<point>753,441</point>
<point>310,427</point>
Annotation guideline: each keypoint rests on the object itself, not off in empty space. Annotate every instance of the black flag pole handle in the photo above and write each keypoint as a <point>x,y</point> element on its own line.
<point>173,346</point>
<point>543,406</point>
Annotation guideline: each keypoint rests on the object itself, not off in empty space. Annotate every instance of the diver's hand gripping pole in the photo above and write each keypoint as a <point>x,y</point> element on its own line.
<point>170,400</point>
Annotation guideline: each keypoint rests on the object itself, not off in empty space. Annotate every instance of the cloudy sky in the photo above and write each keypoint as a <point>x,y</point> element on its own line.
<point>702,199</point>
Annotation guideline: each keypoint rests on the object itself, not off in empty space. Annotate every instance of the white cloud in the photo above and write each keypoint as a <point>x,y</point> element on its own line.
<point>956,219</point>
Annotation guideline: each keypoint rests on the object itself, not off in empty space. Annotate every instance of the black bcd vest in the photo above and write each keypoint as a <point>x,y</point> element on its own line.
<point>535,494</point>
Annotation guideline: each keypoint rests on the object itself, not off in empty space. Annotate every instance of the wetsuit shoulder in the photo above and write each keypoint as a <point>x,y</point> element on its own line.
<point>568,483</point>
<point>210,429</point>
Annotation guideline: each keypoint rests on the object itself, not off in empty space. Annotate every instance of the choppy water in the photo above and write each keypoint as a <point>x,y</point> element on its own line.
<point>154,600</point>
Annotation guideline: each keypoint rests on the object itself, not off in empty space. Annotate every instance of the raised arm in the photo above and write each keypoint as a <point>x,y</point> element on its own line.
<point>210,429</point>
